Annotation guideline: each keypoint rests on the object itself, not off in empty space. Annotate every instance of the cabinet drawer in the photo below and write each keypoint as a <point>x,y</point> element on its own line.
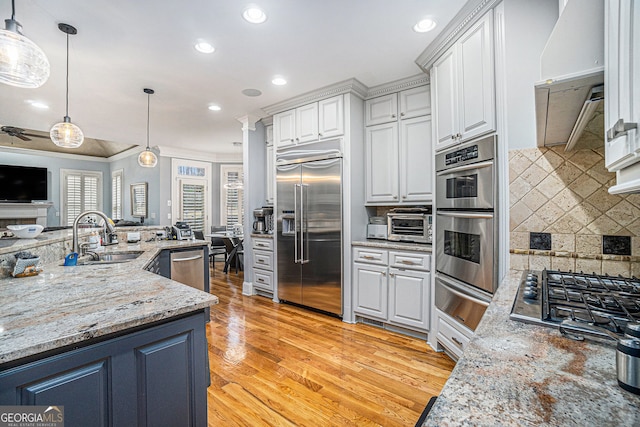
<point>263,279</point>
<point>451,338</point>
<point>263,259</point>
<point>371,255</point>
<point>412,260</point>
<point>263,244</point>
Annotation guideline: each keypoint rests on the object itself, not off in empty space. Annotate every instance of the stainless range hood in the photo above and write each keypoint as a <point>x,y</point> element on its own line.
<point>572,74</point>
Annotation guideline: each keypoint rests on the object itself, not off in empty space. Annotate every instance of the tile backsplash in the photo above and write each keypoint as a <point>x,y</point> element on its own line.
<point>565,194</point>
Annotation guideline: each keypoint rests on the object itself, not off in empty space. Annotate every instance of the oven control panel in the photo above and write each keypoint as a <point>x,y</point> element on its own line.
<point>462,155</point>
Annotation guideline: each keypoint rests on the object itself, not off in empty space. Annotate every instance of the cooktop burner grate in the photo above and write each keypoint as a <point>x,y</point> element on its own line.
<point>550,297</point>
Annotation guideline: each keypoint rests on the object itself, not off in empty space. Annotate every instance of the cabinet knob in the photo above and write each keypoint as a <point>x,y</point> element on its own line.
<point>384,274</point>
<point>297,139</point>
<point>620,128</point>
<point>292,140</point>
<point>391,275</point>
<point>395,197</point>
<point>458,136</point>
<point>404,196</point>
<point>401,114</point>
<point>453,137</point>
<point>393,116</point>
<point>319,135</point>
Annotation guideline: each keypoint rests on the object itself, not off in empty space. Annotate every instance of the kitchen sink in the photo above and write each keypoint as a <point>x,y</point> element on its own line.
<point>111,258</point>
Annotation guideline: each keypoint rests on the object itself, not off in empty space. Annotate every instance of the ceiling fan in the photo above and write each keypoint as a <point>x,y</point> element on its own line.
<point>19,133</point>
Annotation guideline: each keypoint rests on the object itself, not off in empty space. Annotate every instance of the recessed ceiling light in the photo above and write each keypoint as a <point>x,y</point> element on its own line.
<point>214,107</point>
<point>279,81</point>
<point>254,15</point>
<point>424,25</point>
<point>204,47</point>
<point>40,105</point>
<point>251,92</point>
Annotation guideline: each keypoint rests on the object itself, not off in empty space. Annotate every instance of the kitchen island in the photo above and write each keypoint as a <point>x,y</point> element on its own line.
<point>130,344</point>
<point>516,374</point>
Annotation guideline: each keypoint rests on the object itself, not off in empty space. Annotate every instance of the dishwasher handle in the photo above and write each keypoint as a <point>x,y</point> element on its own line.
<point>191,258</point>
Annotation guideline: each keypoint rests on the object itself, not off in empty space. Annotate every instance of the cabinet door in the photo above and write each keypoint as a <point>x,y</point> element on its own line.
<point>409,298</point>
<point>381,157</point>
<point>443,85</point>
<point>416,160</point>
<point>476,93</point>
<point>331,117</point>
<point>621,28</point>
<point>284,128</point>
<point>270,174</point>
<point>268,131</point>
<point>383,109</point>
<point>307,123</point>
<point>370,283</point>
<point>415,102</point>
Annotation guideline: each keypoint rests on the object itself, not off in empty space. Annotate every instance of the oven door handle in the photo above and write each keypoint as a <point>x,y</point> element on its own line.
<point>472,166</point>
<point>451,287</point>
<point>465,215</point>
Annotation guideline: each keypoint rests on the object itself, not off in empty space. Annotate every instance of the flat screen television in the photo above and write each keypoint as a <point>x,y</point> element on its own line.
<point>22,184</point>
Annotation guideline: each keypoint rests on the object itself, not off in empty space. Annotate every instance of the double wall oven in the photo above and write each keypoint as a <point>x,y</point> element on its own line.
<point>466,226</point>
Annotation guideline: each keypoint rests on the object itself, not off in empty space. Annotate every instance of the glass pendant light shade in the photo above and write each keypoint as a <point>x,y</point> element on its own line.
<point>22,62</point>
<point>148,159</point>
<point>67,135</point>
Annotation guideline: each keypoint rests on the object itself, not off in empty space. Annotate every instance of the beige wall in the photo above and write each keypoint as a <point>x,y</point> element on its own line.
<point>565,194</point>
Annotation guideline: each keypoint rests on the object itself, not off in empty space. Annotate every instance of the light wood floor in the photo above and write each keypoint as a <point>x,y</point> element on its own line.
<point>279,365</point>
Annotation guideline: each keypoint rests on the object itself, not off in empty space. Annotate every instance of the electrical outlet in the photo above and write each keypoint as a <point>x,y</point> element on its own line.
<point>58,213</point>
<point>169,202</point>
<point>153,215</point>
<point>168,216</point>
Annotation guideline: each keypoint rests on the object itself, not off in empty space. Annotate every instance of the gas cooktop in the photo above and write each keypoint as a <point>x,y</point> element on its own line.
<point>550,297</point>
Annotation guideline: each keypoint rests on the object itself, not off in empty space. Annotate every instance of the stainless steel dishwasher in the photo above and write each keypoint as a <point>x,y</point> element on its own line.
<point>187,268</point>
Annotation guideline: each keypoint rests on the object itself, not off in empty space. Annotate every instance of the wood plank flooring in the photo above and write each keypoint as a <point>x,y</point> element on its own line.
<point>280,365</point>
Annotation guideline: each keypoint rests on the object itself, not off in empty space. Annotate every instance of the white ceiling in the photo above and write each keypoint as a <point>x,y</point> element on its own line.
<point>123,46</point>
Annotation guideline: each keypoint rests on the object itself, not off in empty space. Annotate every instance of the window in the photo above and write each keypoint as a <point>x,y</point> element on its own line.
<point>116,194</point>
<point>191,181</point>
<point>81,191</point>
<point>231,204</point>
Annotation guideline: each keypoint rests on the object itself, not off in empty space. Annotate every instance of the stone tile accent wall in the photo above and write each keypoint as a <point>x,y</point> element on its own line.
<point>565,194</point>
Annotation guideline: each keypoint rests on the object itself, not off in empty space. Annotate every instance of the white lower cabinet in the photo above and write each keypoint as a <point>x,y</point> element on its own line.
<point>263,261</point>
<point>392,286</point>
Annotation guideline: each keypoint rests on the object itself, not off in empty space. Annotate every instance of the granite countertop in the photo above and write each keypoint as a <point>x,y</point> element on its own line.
<point>10,245</point>
<point>516,374</point>
<point>68,305</point>
<point>386,244</point>
<point>262,235</point>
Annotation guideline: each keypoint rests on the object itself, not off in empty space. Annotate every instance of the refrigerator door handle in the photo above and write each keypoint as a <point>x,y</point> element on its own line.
<point>302,225</point>
<point>295,223</point>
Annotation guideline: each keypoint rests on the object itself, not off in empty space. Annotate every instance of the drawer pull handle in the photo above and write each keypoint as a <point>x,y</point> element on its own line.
<point>457,341</point>
<point>461,319</point>
<point>261,261</point>
<point>260,280</point>
<point>620,128</point>
<point>404,261</point>
<point>368,257</point>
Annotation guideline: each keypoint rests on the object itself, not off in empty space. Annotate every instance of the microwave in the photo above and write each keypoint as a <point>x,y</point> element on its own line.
<point>413,226</point>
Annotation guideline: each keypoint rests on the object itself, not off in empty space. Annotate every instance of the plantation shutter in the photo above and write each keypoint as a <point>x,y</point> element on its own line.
<point>116,195</point>
<point>81,192</point>
<point>193,203</point>
<point>233,207</point>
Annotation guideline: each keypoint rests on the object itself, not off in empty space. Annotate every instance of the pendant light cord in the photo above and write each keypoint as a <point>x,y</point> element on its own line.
<point>148,117</point>
<point>13,10</point>
<point>67,94</point>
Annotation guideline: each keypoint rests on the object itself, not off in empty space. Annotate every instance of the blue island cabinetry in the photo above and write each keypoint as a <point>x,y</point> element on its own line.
<point>151,376</point>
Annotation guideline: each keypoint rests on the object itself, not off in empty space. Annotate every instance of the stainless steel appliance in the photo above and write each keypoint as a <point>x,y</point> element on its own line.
<point>309,230</point>
<point>262,220</point>
<point>377,231</point>
<point>586,305</point>
<point>409,225</point>
<point>182,231</point>
<point>186,267</point>
<point>466,247</point>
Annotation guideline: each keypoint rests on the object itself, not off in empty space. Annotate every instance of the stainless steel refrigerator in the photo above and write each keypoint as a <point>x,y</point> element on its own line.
<point>309,232</point>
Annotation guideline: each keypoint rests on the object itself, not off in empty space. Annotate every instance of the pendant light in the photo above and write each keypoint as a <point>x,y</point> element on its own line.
<point>22,62</point>
<point>65,134</point>
<point>148,159</point>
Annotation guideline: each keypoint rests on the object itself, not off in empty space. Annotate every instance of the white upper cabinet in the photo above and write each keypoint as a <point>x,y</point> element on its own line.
<point>331,117</point>
<point>398,153</point>
<point>415,102</point>
<point>622,100</point>
<point>415,160</point>
<point>381,157</point>
<point>269,166</point>
<point>284,128</point>
<point>464,87</point>
<point>311,122</point>
<point>383,109</point>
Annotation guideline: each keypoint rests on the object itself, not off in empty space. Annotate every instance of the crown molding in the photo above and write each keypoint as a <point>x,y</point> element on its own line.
<point>267,121</point>
<point>347,86</point>
<point>471,12</point>
<point>181,153</point>
<point>30,152</point>
<point>398,85</point>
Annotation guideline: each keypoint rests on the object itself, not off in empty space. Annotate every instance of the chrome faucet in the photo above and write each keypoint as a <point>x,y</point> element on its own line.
<point>107,223</point>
